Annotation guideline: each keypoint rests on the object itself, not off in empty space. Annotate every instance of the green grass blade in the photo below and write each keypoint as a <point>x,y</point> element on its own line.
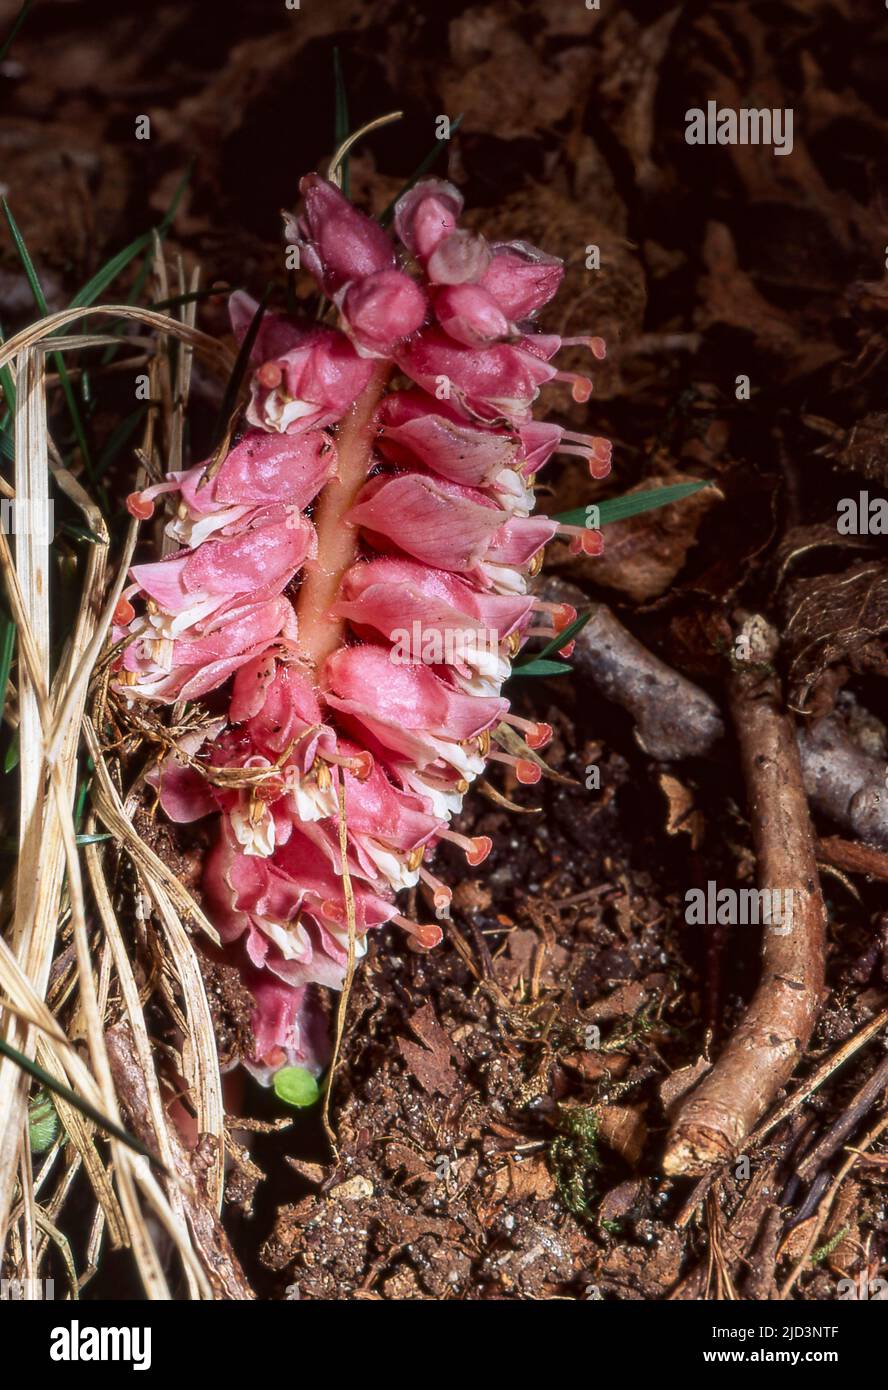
<point>58,360</point>
<point>17,24</point>
<point>194,297</point>
<point>7,648</point>
<point>109,272</point>
<point>119,436</point>
<point>6,381</point>
<point>632,504</point>
<point>84,1106</point>
<point>165,223</point>
<point>145,268</point>
<point>11,758</point>
<point>538,667</point>
<point>422,168</point>
<point>239,370</point>
<point>567,635</point>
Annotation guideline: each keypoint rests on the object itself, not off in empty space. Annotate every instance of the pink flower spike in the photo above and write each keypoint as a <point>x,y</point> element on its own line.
<point>426,214</point>
<point>338,242</point>
<point>380,310</point>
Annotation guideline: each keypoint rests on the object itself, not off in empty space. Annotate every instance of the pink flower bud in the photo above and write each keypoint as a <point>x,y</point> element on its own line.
<point>338,243</point>
<point>426,214</point>
<point>380,310</point>
<point>470,315</point>
<point>521,278</point>
<point>459,259</point>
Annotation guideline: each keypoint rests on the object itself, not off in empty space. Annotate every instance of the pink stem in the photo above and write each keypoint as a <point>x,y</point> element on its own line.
<point>319,633</point>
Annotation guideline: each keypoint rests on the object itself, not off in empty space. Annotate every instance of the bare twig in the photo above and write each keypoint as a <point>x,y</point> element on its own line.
<point>673,717</point>
<point>842,1126</point>
<point>843,782</point>
<point>763,1052</point>
<point>823,1072</point>
<point>827,1203</point>
<point>211,1244</point>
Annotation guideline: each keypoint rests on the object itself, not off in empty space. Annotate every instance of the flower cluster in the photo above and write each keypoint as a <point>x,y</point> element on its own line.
<point>354,654</point>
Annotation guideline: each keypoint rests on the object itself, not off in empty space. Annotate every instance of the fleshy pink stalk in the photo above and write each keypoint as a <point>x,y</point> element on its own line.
<point>320,633</point>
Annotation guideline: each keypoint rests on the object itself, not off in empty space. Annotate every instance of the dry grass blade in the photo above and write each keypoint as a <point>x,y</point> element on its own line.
<point>50,729</point>
<point>216,352</point>
<point>34,923</point>
<point>132,1005</point>
<point>112,814</point>
<point>342,1006</point>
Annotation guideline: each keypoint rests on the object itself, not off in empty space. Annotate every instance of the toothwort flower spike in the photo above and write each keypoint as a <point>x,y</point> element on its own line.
<point>407,518</point>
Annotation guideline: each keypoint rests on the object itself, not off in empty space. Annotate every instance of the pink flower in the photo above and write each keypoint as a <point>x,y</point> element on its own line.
<point>309,386</point>
<point>338,243</point>
<point>426,215</point>
<point>521,279</point>
<point>260,471</point>
<point>494,383</point>
<point>470,315</point>
<point>417,431</point>
<point>407,708</point>
<point>370,594</point>
<point>380,310</point>
<point>427,611</point>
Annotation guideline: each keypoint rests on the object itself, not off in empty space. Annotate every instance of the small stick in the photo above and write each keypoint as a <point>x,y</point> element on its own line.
<point>673,717</point>
<point>211,1243</point>
<point>826,1205</point>
<point>853,858</point>
<point>842,1126</point>
<point>763,1052</point>
<point>823,1072</point>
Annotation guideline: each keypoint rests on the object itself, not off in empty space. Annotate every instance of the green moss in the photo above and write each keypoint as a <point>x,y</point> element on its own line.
<point>573,1155</point>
